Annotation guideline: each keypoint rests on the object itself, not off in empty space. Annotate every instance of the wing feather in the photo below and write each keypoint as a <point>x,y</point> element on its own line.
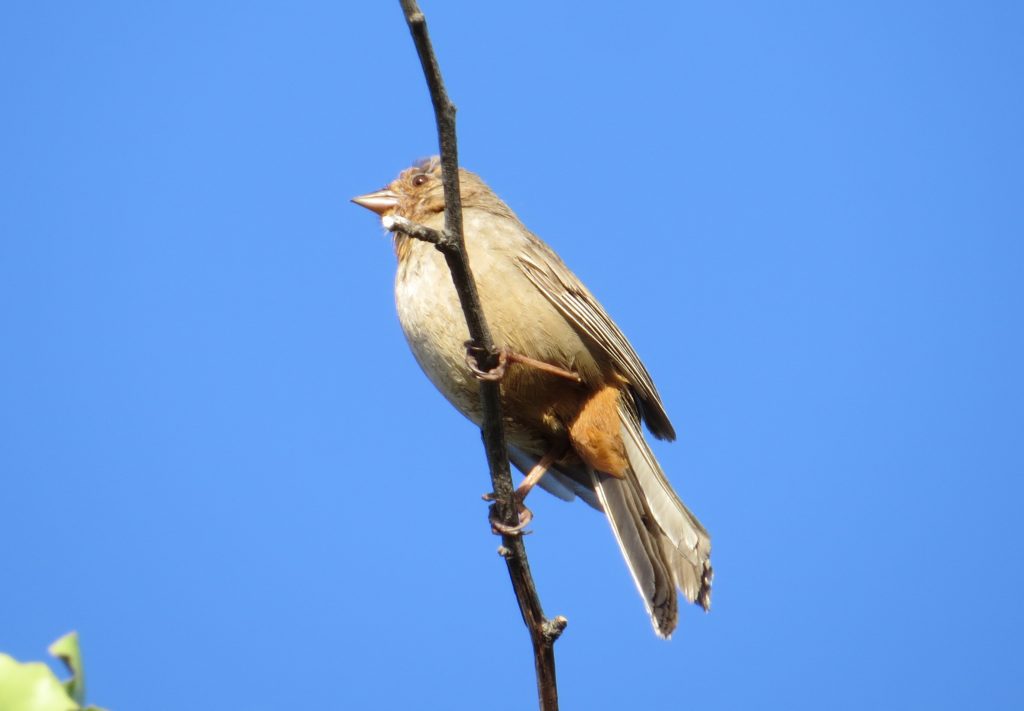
<point>567,293</point>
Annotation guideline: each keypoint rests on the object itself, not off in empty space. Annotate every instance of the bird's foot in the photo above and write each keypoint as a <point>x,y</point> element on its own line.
<point>503,529</point>
<point>505,357</point>
<point>473,352</point>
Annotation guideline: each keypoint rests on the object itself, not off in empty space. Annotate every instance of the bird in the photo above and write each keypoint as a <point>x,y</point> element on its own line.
<point>573,389</point>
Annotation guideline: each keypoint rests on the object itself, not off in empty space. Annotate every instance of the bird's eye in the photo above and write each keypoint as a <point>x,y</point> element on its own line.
<point>419,180</point>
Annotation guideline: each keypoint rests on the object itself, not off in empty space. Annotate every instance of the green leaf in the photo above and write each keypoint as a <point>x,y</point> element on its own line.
<point>31,687</point>
<point>66,649</point>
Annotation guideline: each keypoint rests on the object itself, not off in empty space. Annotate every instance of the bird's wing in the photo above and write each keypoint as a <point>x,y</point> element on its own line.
<point>567,293</point>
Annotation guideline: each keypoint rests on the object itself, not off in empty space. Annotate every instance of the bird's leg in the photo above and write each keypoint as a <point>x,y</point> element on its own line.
<point>545,367</point>
<point>539,469</point>
<point>505,357</point>
<point>519,496</point>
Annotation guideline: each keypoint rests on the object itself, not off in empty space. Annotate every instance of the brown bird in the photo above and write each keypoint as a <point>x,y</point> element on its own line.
<point>573,389</point>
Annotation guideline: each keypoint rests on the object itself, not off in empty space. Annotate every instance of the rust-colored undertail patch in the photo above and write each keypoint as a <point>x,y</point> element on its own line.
<point>596,433</point>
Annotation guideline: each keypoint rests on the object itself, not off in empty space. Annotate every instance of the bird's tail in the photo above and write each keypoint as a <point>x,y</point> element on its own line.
<point>664,545</point>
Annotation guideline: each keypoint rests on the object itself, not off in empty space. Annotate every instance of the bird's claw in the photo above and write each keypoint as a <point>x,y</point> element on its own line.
<point>502,529</point>
<point>494,374</point>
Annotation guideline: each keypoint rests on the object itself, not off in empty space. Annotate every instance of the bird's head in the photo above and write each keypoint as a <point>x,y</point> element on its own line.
<point>417,193</point>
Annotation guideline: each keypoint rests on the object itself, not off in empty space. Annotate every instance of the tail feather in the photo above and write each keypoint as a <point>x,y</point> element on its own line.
<point>639,541</point>
<point>664,545</point>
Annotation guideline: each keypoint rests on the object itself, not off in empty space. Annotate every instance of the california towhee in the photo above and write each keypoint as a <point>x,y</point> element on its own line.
<point>573,389</point>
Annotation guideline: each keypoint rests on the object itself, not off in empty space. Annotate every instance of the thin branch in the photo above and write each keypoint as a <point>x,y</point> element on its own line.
<point>543,632</point>
<point>442,239</point>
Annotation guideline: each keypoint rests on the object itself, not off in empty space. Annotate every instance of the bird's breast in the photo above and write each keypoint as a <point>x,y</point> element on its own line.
<point>431,318</point>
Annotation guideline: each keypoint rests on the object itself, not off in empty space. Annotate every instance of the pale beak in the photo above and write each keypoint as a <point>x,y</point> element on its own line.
<point>379,202</point>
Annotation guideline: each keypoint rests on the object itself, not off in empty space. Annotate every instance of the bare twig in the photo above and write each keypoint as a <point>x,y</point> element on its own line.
<point>441,238</point>
<point>543,632</point>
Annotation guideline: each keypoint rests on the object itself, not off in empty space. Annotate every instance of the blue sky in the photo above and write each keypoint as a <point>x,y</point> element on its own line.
<point>222,466</point>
